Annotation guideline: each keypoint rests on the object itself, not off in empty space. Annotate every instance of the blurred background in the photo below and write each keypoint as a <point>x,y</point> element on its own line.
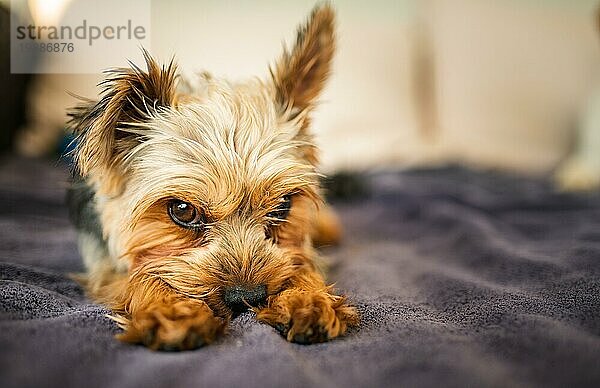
<point>510,85</point>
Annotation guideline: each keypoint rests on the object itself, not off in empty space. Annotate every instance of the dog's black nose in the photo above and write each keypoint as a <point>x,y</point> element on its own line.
<point>237,298</point>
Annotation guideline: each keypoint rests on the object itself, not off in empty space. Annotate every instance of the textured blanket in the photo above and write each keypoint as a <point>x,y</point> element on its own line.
<point>461,278</point>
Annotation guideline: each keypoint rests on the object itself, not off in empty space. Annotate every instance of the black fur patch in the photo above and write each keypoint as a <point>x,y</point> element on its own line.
<point>82,211</point>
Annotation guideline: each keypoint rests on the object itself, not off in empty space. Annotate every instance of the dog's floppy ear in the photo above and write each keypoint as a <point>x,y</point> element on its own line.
<point>299,75</point>
<point>129,95</point>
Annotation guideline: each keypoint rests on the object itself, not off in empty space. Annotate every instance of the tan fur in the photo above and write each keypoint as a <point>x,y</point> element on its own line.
<point>233,151</point>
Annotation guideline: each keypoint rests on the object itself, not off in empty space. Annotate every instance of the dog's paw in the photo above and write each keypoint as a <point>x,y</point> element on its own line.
<point>308,316</point>
<point>180,325</point>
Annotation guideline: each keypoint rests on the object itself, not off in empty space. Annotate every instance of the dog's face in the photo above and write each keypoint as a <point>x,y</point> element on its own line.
<point>211,186</point>
<point>219,194</point>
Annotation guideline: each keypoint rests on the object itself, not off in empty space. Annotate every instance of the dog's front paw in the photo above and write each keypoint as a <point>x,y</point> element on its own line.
<point>178,325</point>
<point>308,316</point>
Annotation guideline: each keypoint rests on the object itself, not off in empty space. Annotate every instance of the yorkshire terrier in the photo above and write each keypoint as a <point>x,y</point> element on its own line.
<point>199,199</point>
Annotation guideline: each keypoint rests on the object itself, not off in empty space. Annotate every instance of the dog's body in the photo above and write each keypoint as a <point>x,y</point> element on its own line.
<point>199,198</point>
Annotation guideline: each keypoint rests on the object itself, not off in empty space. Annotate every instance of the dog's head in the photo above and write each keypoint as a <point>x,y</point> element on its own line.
<point>212,185</point>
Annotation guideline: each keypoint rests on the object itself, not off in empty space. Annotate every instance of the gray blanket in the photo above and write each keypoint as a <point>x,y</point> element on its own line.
<point>461,278</point>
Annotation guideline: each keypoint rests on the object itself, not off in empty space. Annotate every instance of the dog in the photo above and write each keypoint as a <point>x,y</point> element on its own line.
<point>199,199</point>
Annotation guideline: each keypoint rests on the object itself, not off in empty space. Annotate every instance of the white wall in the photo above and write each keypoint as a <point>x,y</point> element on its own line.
<point>510,76</point>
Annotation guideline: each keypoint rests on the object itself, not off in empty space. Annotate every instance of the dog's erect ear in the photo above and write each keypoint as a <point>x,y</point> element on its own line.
<point>129,96</point>
<point>299,75</point>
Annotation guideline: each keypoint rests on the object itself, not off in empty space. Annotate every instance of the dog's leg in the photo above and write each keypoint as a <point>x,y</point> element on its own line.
<point>326,227</point>
<point>153,314</point>
<point>308,312</point>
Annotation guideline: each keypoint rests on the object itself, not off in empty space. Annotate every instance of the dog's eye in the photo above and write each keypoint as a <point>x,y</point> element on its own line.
<point>283,209</point>
<point>185,214</point>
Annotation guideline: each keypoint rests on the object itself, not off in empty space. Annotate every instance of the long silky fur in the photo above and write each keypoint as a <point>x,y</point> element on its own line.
<point>232,151</point>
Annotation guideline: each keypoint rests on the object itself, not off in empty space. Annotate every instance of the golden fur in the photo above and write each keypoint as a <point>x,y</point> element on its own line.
<point>232,151</point>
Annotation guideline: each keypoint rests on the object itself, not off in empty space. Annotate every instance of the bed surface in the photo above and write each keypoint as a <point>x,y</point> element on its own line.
<point>461,278</point>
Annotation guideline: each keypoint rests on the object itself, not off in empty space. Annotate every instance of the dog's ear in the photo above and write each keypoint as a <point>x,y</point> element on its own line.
<point>129,96</point>
<point>299,75</point>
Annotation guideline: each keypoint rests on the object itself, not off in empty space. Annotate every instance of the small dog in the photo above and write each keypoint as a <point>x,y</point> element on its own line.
<point>200,199</point>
